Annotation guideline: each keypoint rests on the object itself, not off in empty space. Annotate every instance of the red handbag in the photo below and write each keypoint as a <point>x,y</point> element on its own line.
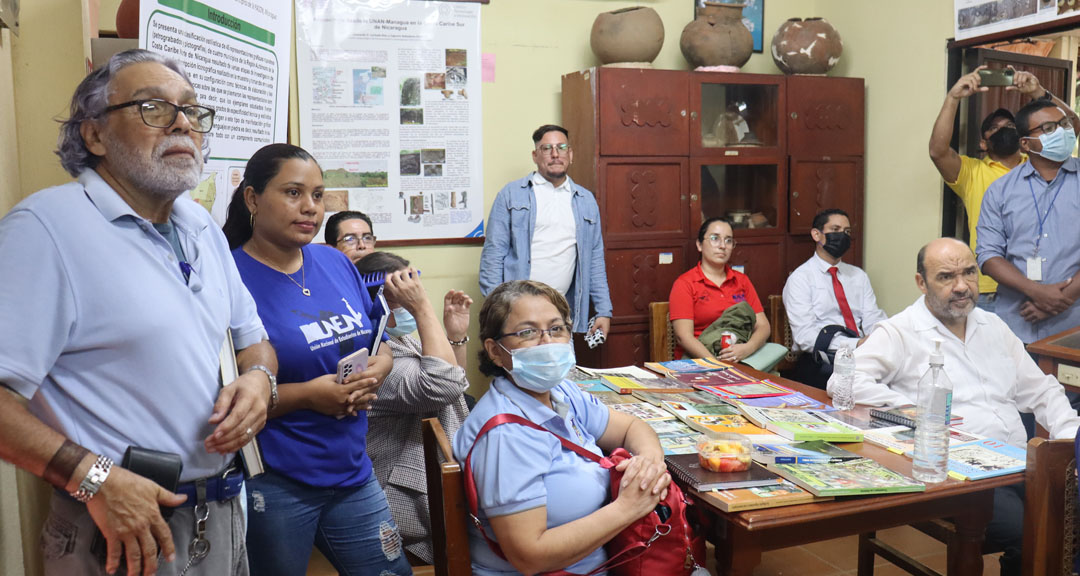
<point>651,545</point>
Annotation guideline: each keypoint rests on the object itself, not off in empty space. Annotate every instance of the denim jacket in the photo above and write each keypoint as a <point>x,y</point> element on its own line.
<point>506,255</point>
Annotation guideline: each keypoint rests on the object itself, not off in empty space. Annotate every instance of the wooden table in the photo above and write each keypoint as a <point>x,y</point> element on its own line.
<point>741,537</point>
<point>1056,351</point>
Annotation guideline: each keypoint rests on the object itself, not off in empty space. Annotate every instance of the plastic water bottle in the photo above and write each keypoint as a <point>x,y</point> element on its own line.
<point>844,368</point>
<point>931,461</point>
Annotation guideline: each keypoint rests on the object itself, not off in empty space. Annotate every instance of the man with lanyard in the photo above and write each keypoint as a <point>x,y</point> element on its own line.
<point>970,177</point>
<point>1027,230</point>
<point>116,299</point>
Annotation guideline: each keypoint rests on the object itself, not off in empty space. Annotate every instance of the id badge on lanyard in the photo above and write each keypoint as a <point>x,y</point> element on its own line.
<point>1034,263</point>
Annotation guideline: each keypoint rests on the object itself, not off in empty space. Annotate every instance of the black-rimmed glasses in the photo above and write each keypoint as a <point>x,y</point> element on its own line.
<point>158,113</point>
<point>1051,127</point>
<point>549,149</point>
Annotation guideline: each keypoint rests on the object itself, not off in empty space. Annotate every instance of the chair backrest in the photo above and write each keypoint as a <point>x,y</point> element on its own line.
<point>446,500</point>
<point>661,334</point>
<point>781,330</point>
<point>1050,508</point>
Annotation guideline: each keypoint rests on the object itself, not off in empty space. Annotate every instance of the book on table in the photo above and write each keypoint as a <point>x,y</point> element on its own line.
<point>630,384</point>
<point>794,401</point>
<point>657,398</point>
<point>609,397</point>
<point>631,371</point>
<point>814,451</point>
<point>759,497</point>
<point>802,424</point>
<point>642,411</point>
<point>687,468</point>
<point>901,439</point>
<point>848,478</point>
<point>714,418</point>
<point>687,365</point>
<point>986,458</point>
<point>906,415</point>
<point>703,380</point>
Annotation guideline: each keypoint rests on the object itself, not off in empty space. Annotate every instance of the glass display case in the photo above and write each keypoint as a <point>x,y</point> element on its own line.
<point>747,195</point>
<point>743,118</point>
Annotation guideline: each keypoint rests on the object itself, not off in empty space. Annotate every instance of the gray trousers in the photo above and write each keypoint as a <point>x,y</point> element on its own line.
<point>69,530</point>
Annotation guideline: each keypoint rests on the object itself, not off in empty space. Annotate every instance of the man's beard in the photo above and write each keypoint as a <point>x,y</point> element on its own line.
<point>155,175</point>
<point>946,309</point>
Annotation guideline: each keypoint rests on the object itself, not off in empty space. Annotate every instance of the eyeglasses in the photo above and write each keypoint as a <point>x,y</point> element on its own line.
<point>559,332</point>
<point>158,113</point>
<point>1051,127</point>
<point>354,241</point>
<point>717,240</point>
<point>548,149</point>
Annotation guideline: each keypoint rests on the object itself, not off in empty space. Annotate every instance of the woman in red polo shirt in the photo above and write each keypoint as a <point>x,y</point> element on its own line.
<point>704,292</point>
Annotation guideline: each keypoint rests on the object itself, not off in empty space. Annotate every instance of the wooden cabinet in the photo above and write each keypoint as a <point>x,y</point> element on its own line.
<point>665,149</point>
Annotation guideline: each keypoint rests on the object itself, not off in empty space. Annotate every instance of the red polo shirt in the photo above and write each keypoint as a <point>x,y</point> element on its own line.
<point>695,297</point>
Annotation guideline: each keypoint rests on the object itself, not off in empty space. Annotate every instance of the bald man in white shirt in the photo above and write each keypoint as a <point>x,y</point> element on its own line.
<point>993,377</point>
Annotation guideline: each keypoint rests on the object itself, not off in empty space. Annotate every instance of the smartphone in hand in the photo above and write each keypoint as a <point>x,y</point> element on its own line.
<point>355,362</point>
<point>996,77</point>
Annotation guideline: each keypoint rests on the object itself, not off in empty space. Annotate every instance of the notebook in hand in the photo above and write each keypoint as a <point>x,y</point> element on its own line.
<point>687,469</point>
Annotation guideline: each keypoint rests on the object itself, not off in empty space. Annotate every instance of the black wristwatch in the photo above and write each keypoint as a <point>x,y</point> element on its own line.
<point>1047,95</point>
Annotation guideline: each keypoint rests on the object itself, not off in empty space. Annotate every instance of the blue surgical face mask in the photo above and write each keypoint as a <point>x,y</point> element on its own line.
<point>1058,145</point>
<point>404,323</point>
<point>541,368</point>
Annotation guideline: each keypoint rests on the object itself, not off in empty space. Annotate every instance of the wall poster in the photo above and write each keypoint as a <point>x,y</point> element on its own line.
<point>390,107</point>
<point>975,18</point>
<point>236,53</point>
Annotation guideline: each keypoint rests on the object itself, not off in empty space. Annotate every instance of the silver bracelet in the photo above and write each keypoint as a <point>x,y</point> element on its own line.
<point>95,477</point>
<point>459,342</point>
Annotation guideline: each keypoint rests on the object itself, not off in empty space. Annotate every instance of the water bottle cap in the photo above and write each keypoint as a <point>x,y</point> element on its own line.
<point>937,357</point>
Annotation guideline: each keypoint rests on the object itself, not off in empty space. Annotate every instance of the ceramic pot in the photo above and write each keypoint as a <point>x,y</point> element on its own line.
<point>127,19</point>
<point>810,46</point>
<point>717,37</point>
<point>634,34</point>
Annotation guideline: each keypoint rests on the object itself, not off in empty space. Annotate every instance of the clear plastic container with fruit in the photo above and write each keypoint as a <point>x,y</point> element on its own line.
<point>725,452</point>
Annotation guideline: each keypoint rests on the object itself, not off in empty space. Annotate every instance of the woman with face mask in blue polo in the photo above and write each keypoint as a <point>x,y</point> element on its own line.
<point>545,506</point>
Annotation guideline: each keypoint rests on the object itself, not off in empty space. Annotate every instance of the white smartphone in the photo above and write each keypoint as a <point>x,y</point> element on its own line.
<point>355,362</point>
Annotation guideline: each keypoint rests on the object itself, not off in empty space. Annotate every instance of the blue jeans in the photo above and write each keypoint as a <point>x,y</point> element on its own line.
<point>352,527</point>
<point>987,301</point>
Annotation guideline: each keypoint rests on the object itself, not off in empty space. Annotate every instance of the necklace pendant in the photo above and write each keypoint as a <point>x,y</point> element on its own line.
<point>306,291</point>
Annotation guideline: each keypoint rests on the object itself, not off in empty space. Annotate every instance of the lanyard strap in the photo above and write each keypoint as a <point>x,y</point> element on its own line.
<point>1041,218</point>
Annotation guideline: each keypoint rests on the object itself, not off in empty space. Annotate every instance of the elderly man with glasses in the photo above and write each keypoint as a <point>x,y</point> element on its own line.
<point>545,227</point>
<point>117,295</point>
<point>1027,230</point>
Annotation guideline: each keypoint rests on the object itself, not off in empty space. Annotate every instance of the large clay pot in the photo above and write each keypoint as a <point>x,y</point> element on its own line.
<point>633,34</point>
<point>127,19</point>
<point>810,46</point>
<point>717,37</point>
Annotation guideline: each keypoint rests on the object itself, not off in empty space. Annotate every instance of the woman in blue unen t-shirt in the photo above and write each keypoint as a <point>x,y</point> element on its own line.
<point>319,488</point>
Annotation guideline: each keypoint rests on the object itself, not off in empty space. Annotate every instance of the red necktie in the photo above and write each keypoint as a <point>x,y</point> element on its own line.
<point>841,299</point>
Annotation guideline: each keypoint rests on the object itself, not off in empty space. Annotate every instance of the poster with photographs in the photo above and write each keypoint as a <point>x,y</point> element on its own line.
<point>390,107</point>
<point>975,18</point>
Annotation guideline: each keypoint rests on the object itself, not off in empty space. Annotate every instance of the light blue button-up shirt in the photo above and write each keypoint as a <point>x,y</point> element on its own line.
<point>518,468</point>
<point>100,329</point>
<point>1009,228</point>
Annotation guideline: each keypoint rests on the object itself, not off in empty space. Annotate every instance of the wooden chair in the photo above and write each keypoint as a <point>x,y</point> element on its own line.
<point>781,330</point>
<point>662,335</point>
<point>1051,525</point>
<point>446,499</point>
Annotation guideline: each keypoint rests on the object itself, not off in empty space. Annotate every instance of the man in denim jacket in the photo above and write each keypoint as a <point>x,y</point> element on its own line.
<point>545,227</point>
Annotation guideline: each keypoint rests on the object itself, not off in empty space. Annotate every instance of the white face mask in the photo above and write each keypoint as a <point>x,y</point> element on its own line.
<point>541,368</point>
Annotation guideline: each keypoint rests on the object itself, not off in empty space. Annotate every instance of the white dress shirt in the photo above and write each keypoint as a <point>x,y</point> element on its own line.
<point>554,239</point>
<point>811,304</point>
<point>991,373</point>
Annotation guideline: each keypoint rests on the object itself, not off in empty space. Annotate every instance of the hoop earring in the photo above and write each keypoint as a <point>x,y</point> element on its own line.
<point>251,220</point>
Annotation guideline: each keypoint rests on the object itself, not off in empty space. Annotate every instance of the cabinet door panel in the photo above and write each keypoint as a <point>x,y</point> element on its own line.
<point>643,112</point>
<point>644,201</point>
<point>636,277</point>
<point>762,259</point>
<point>825,116</point>
<point>818,184</point>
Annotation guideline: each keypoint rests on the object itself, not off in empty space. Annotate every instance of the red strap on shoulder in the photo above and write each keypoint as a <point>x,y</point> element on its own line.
<point>623,556</point>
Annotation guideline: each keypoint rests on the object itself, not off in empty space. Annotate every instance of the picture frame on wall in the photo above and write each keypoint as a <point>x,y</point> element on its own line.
<point>753,18</point>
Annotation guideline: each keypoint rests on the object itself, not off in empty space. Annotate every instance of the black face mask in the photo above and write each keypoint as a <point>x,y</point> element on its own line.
<point>1004,142</point>
<point>837,244</point>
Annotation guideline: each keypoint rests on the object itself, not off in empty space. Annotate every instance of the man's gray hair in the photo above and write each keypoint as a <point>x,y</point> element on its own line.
<point>90,100</point>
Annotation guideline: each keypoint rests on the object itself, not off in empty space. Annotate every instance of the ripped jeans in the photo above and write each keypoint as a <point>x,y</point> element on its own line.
<point>352,527</point>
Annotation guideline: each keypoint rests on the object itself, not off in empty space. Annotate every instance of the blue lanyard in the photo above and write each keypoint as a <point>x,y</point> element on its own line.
<point>1041,218</point>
